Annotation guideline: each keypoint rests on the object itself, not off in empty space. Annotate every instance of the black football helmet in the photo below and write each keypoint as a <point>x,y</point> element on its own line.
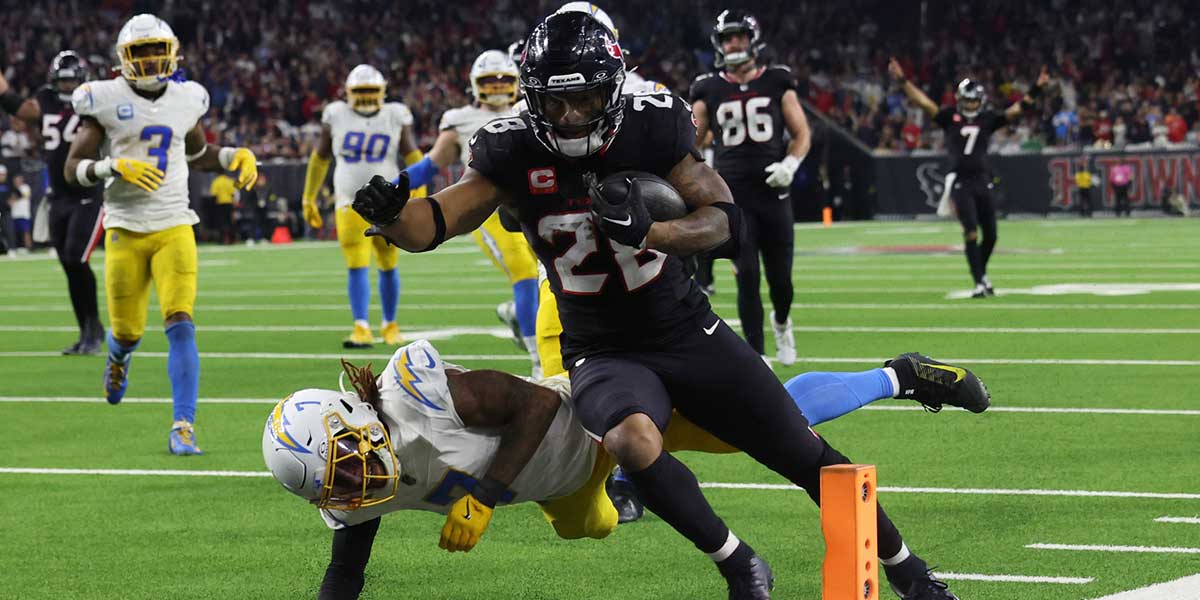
<point>68,65</point>
<point>970,96</point>
<point>736,21</point>
<point>572,75</point>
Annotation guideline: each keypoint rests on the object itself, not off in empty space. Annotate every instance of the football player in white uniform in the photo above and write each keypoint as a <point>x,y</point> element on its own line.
<point>371,137</point>
<point>148,121</point>
<point>429,435</point>
<point>494,78</point>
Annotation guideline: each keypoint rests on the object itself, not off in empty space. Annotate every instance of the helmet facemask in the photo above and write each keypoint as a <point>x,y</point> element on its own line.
<point>361,469</point>
<point>495,89</point>
<point>147,63</point>
<point>578,121</point>
<point>366,99</point>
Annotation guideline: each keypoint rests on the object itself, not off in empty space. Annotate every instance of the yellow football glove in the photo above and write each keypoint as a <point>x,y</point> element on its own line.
<point>139,173</point>
<point>465,524</point>
<point>245,164</point>
<point>312,214</point>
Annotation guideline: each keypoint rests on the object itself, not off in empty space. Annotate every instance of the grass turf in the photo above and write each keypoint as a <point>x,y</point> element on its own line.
<point>102,536</point>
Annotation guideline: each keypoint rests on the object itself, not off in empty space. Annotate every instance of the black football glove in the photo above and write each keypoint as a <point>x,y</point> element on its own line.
<point>380,201</point>
<point>624,220</point>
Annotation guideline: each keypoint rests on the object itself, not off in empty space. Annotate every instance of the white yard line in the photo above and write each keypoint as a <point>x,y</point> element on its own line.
<point>803,359</point>
<point>732,322</point>
<point>1184,588</point>
<point>723,306</point>
<point>712,485</point>
<point>872,407</point>
<point>1013,578</point>
<point>1185,520</point>
<point>1100,548</point>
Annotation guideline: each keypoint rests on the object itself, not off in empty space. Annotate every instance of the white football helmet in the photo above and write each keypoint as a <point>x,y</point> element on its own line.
<point>494,78</point>
<point>365,89</point>
<point>148,51</point>
<point>591,9</point>
<point>331,449</point>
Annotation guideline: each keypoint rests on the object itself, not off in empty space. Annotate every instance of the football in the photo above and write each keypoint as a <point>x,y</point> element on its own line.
<point>661,200</point>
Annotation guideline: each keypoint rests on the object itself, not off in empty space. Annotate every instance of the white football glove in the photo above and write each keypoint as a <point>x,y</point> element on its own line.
<point>780,174</point>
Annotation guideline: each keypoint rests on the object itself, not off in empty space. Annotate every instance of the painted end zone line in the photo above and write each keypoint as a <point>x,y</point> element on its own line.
<point>1013,578</point>
<point>732,486</point>
<point>1095,548</point>
<point>975,491</point>
<point>1186,588</point>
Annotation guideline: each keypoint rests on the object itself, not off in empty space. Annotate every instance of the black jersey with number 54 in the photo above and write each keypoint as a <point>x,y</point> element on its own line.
<point>746,119</point>
<point>967,139</point>
<point>610,296</point>
<point>59,124</point>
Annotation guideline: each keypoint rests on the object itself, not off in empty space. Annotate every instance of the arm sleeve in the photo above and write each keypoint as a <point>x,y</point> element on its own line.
<point>943,117</point>
<point>348,565</point>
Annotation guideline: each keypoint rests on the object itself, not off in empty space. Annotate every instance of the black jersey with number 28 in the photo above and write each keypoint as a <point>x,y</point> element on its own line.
<point>746,119</point>
<point>610,296</point>
<point>967,139</point>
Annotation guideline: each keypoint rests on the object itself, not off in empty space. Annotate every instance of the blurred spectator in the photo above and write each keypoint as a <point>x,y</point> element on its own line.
<point>1120,176</point>
<point>223,192</point>
<point>270,66</point>
<point>19,202</point>
<point>14,142</point>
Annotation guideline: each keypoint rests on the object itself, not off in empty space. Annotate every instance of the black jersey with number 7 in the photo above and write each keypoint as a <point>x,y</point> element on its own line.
<point>967,138</point>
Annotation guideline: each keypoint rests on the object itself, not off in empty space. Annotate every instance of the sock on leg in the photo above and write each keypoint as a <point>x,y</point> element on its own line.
<point>118,352</point>
<point>358,287</point>
<point>389,294</point>
<point>183,369</point>
<point>525,299</point>
<point>823,396</point>
<point>671,491</point>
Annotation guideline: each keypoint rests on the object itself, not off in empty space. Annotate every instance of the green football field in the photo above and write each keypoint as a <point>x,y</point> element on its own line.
<point>1081,482</point>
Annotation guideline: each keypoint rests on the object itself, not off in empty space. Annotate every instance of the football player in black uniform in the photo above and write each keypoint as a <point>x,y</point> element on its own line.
<point>969,127</point>
<point>750,108</point>
<point>638,335</point>
<point>74,211</point>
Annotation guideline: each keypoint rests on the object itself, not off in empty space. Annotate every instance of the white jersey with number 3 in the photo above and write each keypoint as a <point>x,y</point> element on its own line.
<point>466,120</point>
<point>443,458</point>
<point>152,131</point>
<point>364,146</point>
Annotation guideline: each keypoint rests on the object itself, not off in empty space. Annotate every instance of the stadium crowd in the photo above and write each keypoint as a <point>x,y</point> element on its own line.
<point>1127,72</point>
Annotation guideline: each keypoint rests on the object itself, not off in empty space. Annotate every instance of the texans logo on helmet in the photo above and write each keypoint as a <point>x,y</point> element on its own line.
<point>614,49</point>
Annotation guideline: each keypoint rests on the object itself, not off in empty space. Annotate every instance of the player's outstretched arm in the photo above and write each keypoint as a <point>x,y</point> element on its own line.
<point>522,413</point>
<point>714,220</point>
<point>344,576</point>
<point>1030,99</point>
<point>25,109</point>
<point>422,224</point>
<point>314,176</point>
<point>913,92</point>
<point>207,157</point>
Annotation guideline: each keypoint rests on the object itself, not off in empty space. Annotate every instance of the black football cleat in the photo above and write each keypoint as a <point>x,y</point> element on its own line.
<point>987,286</point>
<point>73,349</point>
<point>980,291</point>
<point>624,497</point>
<point>935,384</point>
<point>749,579</point>
<point>928,587</point>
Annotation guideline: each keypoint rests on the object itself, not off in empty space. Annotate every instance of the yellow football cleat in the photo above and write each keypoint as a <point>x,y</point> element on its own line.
<point>391,334</point>
<point>361,337</point>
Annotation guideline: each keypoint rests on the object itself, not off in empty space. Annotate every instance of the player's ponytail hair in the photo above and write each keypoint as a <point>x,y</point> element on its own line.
<point>364,382</point>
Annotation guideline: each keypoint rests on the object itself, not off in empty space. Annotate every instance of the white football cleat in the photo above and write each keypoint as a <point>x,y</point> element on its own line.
<point>785,341</point>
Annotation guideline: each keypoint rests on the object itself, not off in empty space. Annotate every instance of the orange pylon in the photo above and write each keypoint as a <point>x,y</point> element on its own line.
<point>848,509</point>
